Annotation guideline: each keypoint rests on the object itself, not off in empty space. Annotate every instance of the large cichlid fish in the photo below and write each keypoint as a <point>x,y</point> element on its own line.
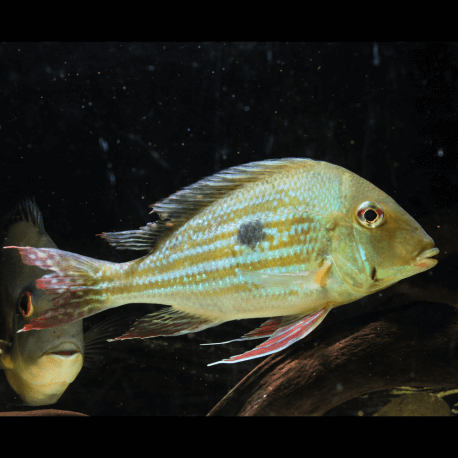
<point>287,239</point>
<point>39,366</point>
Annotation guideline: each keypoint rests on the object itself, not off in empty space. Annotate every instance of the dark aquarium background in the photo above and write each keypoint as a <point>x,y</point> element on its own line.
<point>96,132</point>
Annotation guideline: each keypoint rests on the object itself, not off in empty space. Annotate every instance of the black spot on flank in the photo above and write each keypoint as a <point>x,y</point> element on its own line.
<point>373,274</point>
<point>250,233</point>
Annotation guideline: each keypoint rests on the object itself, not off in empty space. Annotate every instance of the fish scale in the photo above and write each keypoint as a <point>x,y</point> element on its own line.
<point>288,238</point>
<point>191,264</point>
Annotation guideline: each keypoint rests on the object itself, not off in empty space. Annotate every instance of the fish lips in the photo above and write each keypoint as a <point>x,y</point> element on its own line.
<point>64,350</point>
<point>424,261</point>
<point>420,264</point>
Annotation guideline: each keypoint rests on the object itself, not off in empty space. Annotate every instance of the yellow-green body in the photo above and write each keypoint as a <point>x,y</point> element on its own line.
<point>286,238</point>
<point>306,212</point>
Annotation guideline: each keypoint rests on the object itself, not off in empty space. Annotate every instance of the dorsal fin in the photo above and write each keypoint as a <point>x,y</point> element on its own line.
<point>25,210</point>
<point>176,210</point>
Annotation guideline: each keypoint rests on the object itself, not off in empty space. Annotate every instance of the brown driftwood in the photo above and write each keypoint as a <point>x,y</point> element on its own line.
<point>414,346</point>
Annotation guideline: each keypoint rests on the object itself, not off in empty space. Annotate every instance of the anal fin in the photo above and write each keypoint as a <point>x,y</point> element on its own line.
<point>294,328</point>
<point>166,322</point>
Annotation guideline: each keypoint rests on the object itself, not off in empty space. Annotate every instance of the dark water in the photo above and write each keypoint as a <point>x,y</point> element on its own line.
<point>97,132</point>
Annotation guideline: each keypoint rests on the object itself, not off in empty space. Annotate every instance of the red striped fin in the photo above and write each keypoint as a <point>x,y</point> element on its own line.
<point>74,280</point>
<point>283,337</point>
<point>265,330</point>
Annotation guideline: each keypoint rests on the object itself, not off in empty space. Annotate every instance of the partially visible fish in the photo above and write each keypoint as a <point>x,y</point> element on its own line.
<point>286,239</point>
<point>39,366</point>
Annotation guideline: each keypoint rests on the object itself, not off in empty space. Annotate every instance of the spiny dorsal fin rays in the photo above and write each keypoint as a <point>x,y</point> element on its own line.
<point>282,338</point>
<point>25,210</point>
<point>192,199</point>
<point>174,211</point>
<point>141,239</point>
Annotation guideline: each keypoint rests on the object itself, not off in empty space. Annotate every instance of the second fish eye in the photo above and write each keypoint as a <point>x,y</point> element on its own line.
<point>25,304</point>
<point>370,214</point>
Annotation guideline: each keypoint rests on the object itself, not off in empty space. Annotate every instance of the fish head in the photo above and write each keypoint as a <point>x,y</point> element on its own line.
<point>379,243</point>
<point>39,365</point>
<point>43,364</point>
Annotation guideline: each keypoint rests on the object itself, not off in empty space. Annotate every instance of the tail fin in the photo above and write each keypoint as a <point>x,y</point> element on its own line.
<point>76,279</point>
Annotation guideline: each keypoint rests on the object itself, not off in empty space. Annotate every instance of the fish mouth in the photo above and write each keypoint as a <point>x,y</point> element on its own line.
<point>424,259</point>
<point>64,350</point>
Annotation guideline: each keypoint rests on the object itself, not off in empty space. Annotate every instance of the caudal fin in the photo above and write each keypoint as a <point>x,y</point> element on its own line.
<point>77,280</point>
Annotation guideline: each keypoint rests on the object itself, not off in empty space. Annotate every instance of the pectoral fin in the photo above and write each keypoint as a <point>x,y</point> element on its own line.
<point>299,326</point>
<point>311,278</point>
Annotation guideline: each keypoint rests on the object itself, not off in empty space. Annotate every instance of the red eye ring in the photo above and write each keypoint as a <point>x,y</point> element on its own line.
<point>370,214</point>
<point>25,304</point>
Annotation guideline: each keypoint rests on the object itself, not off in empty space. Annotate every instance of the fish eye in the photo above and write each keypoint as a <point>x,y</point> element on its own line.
<point>25,304</point>
<point>370,214</point>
